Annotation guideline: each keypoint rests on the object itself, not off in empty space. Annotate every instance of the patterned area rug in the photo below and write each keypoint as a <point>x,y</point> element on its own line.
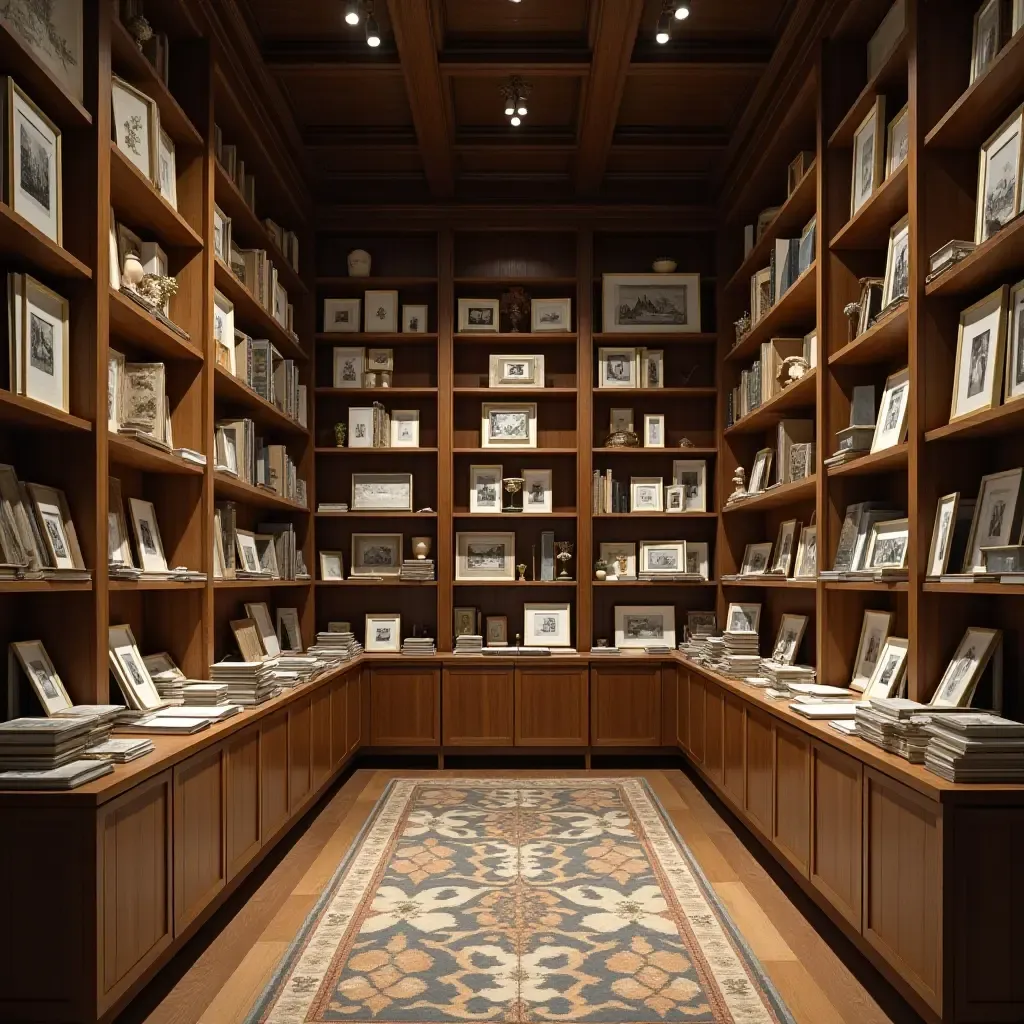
<point>516,901</point>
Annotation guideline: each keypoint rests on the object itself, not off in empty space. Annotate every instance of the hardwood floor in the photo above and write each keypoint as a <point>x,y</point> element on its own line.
<point>220,973</point>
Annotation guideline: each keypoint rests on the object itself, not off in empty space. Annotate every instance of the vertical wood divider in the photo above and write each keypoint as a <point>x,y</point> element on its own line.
<point>445,565</point>
<point>584,438</point>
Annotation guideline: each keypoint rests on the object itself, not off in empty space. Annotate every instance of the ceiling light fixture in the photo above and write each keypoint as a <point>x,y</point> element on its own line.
<point>352,12</point>
<point>372,28</point>
<point>682,11</point>
<point>663,32</point>
<point>515,92</point>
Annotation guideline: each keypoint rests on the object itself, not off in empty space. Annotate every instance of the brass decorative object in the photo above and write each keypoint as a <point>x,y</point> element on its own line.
<point>622,439</point>
<point>564,555</point>
<point>522,572</point>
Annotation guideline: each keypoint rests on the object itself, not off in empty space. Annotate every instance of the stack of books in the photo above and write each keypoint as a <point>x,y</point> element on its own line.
<point>42,744</point>
<point>419,645</point>
<point>657,649</point>
<point>782,677</point>
<point>604,650</point>
<point>163,723</point>
<point>740,657</point>
<point>292,669</point>
<point>66,776</point>
<point>469,644</point>
<point>896,725</point>
<point>332,506</point>
<point>249,682</point>
<point>417,569</point>
<point>671,577</point>
<point>336,646</point>
<point>825,710</point>
<point>170,684</point>
<point>203,695</point>
<point>119,751</point>
<point>104,717</point>
<point>975,748</point>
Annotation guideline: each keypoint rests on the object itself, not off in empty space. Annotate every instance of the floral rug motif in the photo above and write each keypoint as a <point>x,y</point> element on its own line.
<point>541,900</point>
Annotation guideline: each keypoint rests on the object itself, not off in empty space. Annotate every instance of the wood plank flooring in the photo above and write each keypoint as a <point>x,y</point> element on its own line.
<point>218,976</point>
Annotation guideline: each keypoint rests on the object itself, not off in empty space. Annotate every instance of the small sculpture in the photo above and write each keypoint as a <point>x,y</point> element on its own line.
<point>664,265</point>
<point>340,434</point>
<point>359,263</point>
<point>513,486</point>
<point>421,547</point>
<point>739,479</point>
<point>792,369</point>
<point>852,312</point>
<point>600,569</point>
<point>522,573</point>
<point>132,272</point>
<point>742,326</point>
<point>515,304</point>
<point>564,556</point>
<point>685,442</point>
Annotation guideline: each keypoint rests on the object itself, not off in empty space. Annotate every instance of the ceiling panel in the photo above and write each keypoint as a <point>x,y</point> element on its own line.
<point>719,18</point>
<point>553,102</point>
<point>536,18</point>
<point>350,100</point>
<point>687,98</point>
<point>513,159</point>
<point>308,19</point>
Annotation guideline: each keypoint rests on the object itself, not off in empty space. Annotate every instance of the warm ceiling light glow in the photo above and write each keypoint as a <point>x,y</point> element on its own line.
<point>352,12</point>
<point>509,110</point>
<point>682,11</point>
<point>522,109</point>
<point>516,121</point>
<point>372,30</point>
<point>663,32</point>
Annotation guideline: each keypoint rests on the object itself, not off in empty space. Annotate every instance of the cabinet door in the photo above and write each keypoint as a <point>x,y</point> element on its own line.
<point>683,710</point>
<point>339,722</point>
<point>792,819</point>
<point>759,767</point>
<point>625,706</point>
<point>697,689</point>
<point>242,798</point>
<point>355,712</point>
<point>273,773</point>
<point>669,700</point>
<point>714,709</point>
<point>732,752</point>
<point>320,735</point>
<point>552,707</point>
<point>299,754</point>
<point>836,837</point>
<point>405,707</point>
<point>477,707</point>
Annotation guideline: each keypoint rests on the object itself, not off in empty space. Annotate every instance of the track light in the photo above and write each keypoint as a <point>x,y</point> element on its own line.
<point>682,11</point>
<point>521,110</point>
<point>663,32</point>
<point>515,93</point>
<point>372,29</point>
<point>516,121</point>
<point>352,12</point>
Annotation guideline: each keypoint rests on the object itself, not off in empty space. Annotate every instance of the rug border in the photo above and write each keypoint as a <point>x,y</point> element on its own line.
<point>272,986</point>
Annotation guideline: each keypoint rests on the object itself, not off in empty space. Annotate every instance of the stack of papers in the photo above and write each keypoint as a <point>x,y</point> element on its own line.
<point>783,677</point>
<point>417,569</point>
<point>824,710</point>
<point>336,646</point>
<point>740,656</point>
<point>249,683</point>
<point>469,644</point>
<point>896,725</point>
<point>67,776</point>
<point>419,645</point>
<point>291,669</point>
<point>105,716</point>
<point>119,751</point>
<point>975,748</point>
<point>604,650</point>
<point>159,724</point>
<point>204,694</point>
<point>39,744</point>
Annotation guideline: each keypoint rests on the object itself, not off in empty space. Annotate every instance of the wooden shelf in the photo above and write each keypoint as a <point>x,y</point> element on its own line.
<point>228,388</point>
<point>23,244</point>
<point>885,341</point>
<point>44,586</point>
<point>126,451</point>
<point>517,583</point>
<point>376,583</point>
<point>496,452</point>
<point>984,104</point>
<point>510,517</point>
<point>375,283</point>
<point>991,589</point>
<point>890,460</point>
<point>797,309</point>
<point>137,202</point>
<point>675,452</point>
<point>249,313</point>
<point>128,320</point>
<point>787,494</point>
<point>368,392</point>
<point>652,340</point>
<point>376,515</point>
<point>229,488</point>
<point>513,392</point>
<point>681,516</point>
<point>869,227</point>
<point>349,339</point>
<point>519,338</point>
<point>25,68</point>
<point>801,394</point>
<point>149,585</point>
<point>526,282</point>
<point>259,584</point>
<point>774,584</point>
<point>692,584</point>
<point>793,216</point>
<point>995,262</point>
<point>1003,419</point>
<point>868,585</point>
<point>710,392</point>
<point>376,451</point>
<point>17,411</point>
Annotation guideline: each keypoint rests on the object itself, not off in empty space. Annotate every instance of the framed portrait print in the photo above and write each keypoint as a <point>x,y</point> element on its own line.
<point>890,669</point>
<point>248,552</point>
<point>642,626</point>
<point>537,486</point>
<point>942,534</point>
<point>167,172</point>
<point>53,33</point>
<point>646,494</point>
<point>997,516</point>
<point>42,676</point>
<point>897,264</point>
<point>405,428</point>
<point>761,470</point>
<point>516,371</point>
<point>978,379</point>
<point>147,536</point>
<point>260,614</point>
<point>465,621</point>
<point>873,633</point>
<point>342,316</point>
<point>868,156</point>
<point>130,670</point>
<point>508,426</point>
<point>891,425</point>
<point>348,367</point>
<point>662,556</point>
<point>989,29</point>
<point>691,474</point>
<point>956,688</point>
<point>289,635</point>
<point>381,312</point>
<point>654,430</point>
<point>743,618</point>
<point>53,518</point>
<point>999,177</point>
<point>788,640</point>
<point>381,492</point>
<point>332,566</point>
<point>756,559</point>
<point>415,319</point>
<point>479,315</point>
<point>485,556</point>
<point>621,420</point>
<point>888,544</point>
<point>547,625</point>
<point>620,559</point>
<point>806,567</point>
<point>136,127</point>
<point>550,315</point>
<point>361,421</point>
<point>675,498</point>
<point>485,489</point>
<point>1015,343</point>
<point>376,554</point>
<point>651,303</point>
<point>617,368</point>
<point>221,235</point>
<point>383,634</point>
<point>898,147</point>
<point>785,547</point>
<point>379,359</point>
<point>40,322</point>
<point>807,252</point>
<point>495,630</point>
<point>652,368</point>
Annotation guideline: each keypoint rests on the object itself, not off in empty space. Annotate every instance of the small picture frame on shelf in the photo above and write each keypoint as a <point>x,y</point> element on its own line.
<point>978,378</point>
<point>119,549</point>
<point>376,554</point>
<point>259,612</point>
<point>136,127</point>
<point>495,630</point>
<point>997,516</point>
<point>756,559</point>
<point>148,542</point>
<point>383,634</point>
<point>621,421</point>
<point>675,498</point>
<point>515,371</point>
<point>405,428</point>
<point>130,670</point>
<point>415,319</point>
<point>999,177</point>
<point>646,494</point>
<point>898,147</point>
<point>221,235</point>
<point>807,252</point>
<point>342,316</point>
<point>167,169</point>
<point>697,558</point>
<point>380,313</point>
<point>551,315</point>
<point>40,321</point>
<point>289,634</point>
<point>888,544</point>
<point>868,155</point>
<point>785,547</point>
<point>760,294</point>
<point>890,669</point>
<point>989,33</point>
<point>662,557</point>
<point>806,567</point>
<point>760,471</point>
<point>479,316</point>
<point>651,303</point>
<point>485,496</point>
<point>788,639</point>
<point>267,551</point>
<point>361,427</point>
<point>617,368</point>
<point>464,622</point>
<point>1015,343</point>
<point>873,633</point>
<point>537,486</point>
<point>248,552</point>
<point>332,566</point>
<point>654,430</point>
<point>692,475</point>
<point>224,332</point>
<point>891,425</point>
<point>349,367</point>
<point>379,360</point>
<point>942,534</point>
<point>485,556</point>
<point>42,676</point>
<point>965,669</point>
<point>897,264</point>
<point>620,559</point>
<point>1018,16</point>
<point>547,625</point>
<point>743,618</point>
<point>799,166</point>
<point>60,540</point>
<point>382,492</point>
<point>643,626</point>
<point>508,425</point>
<point>652,368</point>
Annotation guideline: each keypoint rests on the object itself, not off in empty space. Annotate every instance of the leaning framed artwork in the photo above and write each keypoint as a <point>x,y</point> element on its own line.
<point>651,303</point>
<point>978,378</point>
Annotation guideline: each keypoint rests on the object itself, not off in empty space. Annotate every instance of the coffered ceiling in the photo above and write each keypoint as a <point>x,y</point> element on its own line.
<point>612,114</point>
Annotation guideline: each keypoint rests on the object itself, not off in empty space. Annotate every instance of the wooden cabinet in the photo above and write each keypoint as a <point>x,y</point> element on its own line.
<point>199,853</point>
<point>733,743</point>
<point>273,773</point>
<point>625,706</point>
<point>299,754</point>
<point>669,697</point>
<point>683,709</point>
<point>696,706</point>
<point>355,712</point>
<point>759,767</point>
<point>714,710</point>
<point>837,848</point>
<point>339,722</point>
<point>241,799</point>
<point>477,707</point>
<point>791,828</point>
<point>551,706</point>
<point>320,736</point>
<point>406,707</point>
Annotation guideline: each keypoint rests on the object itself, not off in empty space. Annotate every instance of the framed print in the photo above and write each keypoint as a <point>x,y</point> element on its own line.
<point>654,430</point>
<point>415,319</point>
<point>260,614</point>
<point>806,567</point>
<point>807,252</point>
<point>119,550</point>
<point>1015,342</point>
<point>136,127</point>
<point>485,556</point>
<point>376,554</point>
<point>760,293</point>
<point>789,638</point>
<point>651,303</point>
<point>167,172</point>
<point>41,324</point>
<point>42,676</point>
<point>267,551</point>
<point>247,636</point>
<point>761,471</point>
<point>348,367</point>
<point>888,544</point>
<point>988,36</point>
<point>697,561</point>
<point>224,332</point>
<point>289,635</point>
<point>675,498</point>
<point>942,534</point>
<point>332,566</point>
<point>405,428</point>
<point>617,368</point>
<point>956,688</point>
<point>465,622</point>
<point>997,516</point>
<point>221,235</point>
<point>114,259</point>
<point>130,670</point>
<point>516,372</point>
<point>756,559</point>
<point>692,475</point>
<point>248,552</point>
<point>621,421</point>
<point>54,521</point>
<point>550,315</point>
<point>508,426</point>
<point>978,379</point>
<point>890,669</point>
<point>361,427</point>
<point>891,425</point>
<point>537,486</point>
<point>642,626</point>
<point>147,536</point>
<point>662,556</point>
<point>785,547</point>
<point>620,559</point>
<point>547,625</point>
<point>646,494</point>
<point>379,359</point>
<point>873,633</point>
<point>381,492</point>
<point>652,368</point>
<point>701,623</point>
<point>485,489</point>
<point>342,316</point>
<point>999,185</point>
<point>381,312</point>
<point>898,147</point>
<point>897,264</point>
<point>496,630</point>
<point>53,33</point>
<point>479,315</point>
<point>743,618</point>
<point>383,634</point>
<point>868,156</point>
<point>32,178</point>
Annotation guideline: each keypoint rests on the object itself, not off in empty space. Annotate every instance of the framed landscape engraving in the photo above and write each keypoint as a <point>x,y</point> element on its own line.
<point>999,181</point>
<point>868,156</point>
<point>383,633</point>
<point>551,315</point>
<point>381,492</point>
<point>651,303</point>
<point>342,316</point>
<point>516,371</point>
<point>485,556</point>
<point>485,489</point>
<point>376,554</point>
<point>508,426</point>
<point>645,626</point>
<point>53,32</point>
<point>479,315</point>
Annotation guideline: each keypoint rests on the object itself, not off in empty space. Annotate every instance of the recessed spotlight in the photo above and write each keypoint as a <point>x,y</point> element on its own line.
<point>663,33</point>
<point>682,11</point>
<point>510,110</point>
<point>372,29</point>
<point>352,12</point>
<point>516,119</point>
<point>522,110</point>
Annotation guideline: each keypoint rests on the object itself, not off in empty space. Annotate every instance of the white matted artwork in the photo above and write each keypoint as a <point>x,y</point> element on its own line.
<point>381,312</point>
<point>785,547</point>
<point>652,368</point>
<point>53,33</point>
<point>997,516</point>
<point>1015,343</point>
<point>551,315</point>
<point>167,169</point>
<point>405,428</point>
<point>515,371</point>
<point>537,485</point>
<point>224,332</point>
<point>697,558</point>
<point>642,626</point>
<point>620,558</point>
<point>248,552</point>
<point>999,178</point>
<point>760,471</point>
<point>415,319</point>
<point>989,30</point>
<point>646,494</point>
<point>978,378</point>
<point>897,264</point>
<point>873,633</point>
<point>806,567</point>
<point>891,425</point>
<point>651,303</point>
<point>130,670</point>
<point>42,676</point>
<point>662,556</point>
<point>789,638</point>
<point>479,315</point>
<point>348,367</point>
<point>342,316</point>
<point>617,368</point>
<point>692,475</point>
<point>361,421</point>
<point>890,669</point>
<point>942,534</point>
<point>959,681</point>
<point>383,633</point>
<point>136,127</point>
<point>40,319</point>
<point>868,155</point>
<point>485,489</point>
<point>382,492</point>
<point>743,618</point>
<point>508,425</point>
<point>756,559</point>
<point>376,554</point>
<point>260,614</point>
<point>654,430</point>
<point>147,536</point>
<point>898,147</point>
<point>485,556</point>
<point>888,544</point>
<point>332,566</point>
<point>547,625</point>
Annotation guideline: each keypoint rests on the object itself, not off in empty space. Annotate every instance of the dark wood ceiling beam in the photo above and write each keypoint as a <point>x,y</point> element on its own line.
<point>412,25</point>
<point>617,24</point>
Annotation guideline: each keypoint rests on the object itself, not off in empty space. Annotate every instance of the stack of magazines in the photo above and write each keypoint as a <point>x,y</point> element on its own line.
<point>469,644</point>
<point>740,657</point>
<point>48,753</point>
<point>975,748</point>
<point>249,683</point>
<point>896,725</point>
<point>417,569</point>
<point>419,645</point>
